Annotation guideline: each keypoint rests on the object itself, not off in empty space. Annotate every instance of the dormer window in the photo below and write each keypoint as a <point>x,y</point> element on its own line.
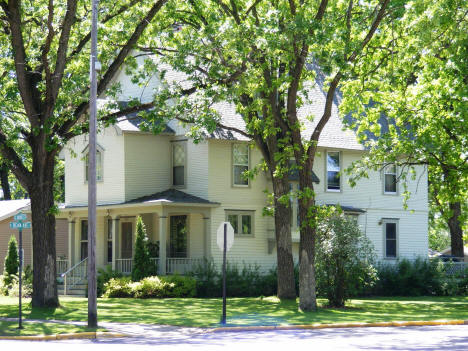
<point>390,180</point>
<point>240,164</point>
<point>99,157</point>
<point>178,164</point>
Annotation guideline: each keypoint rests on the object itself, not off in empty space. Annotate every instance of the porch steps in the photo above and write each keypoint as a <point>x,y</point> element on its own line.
<point>77,290</point>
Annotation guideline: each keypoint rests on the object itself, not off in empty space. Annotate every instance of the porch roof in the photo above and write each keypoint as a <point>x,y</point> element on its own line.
<point>349,209</point>
<point>172,195</point>
<point>167,197</point>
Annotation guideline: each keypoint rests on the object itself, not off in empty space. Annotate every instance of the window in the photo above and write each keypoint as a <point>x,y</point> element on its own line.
<point>178,237</point>
<point>98,166</point>
<point>390,238</point>
<point>240,164</point>
<point>294,203</point>
<point>178,164</point>
<point>241,221</point>
<point>333,171</point>
<point>390,183</point>
<point>109,240</point>
<point>84,240</point>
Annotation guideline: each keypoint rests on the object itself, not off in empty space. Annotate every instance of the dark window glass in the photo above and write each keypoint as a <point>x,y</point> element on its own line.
<point>178,237</point>
<point>390,183</point>
<point>246,224</point>
<point>178,175</point>
<point>333,171</point>
<point>390,240</point>
<point>109,240</point>
<point>84,240</point>
<point>239,178</point>
<point>233,220</point>
<point>109,251</point>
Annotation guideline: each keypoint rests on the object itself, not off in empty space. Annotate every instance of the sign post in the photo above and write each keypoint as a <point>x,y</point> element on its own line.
<point>20,225</point>
<point>224,239</point>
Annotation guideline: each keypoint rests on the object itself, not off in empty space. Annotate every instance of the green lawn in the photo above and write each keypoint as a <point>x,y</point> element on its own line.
<point>246,311</point>
<point>11,329</point>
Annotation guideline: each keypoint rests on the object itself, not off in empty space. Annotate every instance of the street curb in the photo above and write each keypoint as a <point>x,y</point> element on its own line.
<point>69,336</point>
<point>339,325</point>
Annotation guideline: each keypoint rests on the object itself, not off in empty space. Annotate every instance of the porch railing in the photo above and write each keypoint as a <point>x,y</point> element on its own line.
<point>75,275</point>
<point>124,265</point>
<point>62,266</point>
<point>181,265</point>
<point>173,265</point>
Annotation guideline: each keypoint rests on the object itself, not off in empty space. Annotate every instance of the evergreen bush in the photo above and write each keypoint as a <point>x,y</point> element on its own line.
<point>141,259</point>
<point>11,262</point>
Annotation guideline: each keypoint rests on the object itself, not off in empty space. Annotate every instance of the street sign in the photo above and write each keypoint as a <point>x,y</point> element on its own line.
<point>229,236</point>
<point>20,225</point>
<point>20,217</point>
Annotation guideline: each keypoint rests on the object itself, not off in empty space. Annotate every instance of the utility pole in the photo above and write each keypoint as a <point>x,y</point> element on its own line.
<point>92,298</point>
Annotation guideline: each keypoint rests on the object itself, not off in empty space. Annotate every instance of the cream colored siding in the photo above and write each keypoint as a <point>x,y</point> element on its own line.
<point>147,164</point>
<point>197,169</point>
<point>112,188</point>
<point>196,236</point>
<point>248,250</point>
<point>61,240</point>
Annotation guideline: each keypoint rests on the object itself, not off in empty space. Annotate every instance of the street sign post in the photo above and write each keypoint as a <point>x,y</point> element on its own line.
<point>224,239</point>
<point>20,225</point>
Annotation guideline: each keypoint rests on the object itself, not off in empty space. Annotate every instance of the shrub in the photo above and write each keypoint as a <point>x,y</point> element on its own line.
<point>344,259</point>
<point>104,275</point>
<point>141,260</point>
<point>11,262</point>
<point>180,286</point>
<point>247,281</point>
<point>13,289</point>
<point>118,287</point>
<point>207,278</point>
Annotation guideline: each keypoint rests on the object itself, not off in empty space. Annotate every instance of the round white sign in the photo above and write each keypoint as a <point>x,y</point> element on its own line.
<point>229,236</point>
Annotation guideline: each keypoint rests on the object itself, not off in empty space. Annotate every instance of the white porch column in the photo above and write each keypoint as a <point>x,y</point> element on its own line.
<point>115,239</point>
<point>207,237</point>
<point>71,243</point>
<point>162,244</point>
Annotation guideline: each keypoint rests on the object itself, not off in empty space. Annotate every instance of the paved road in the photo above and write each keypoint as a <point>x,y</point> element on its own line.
<point>453,338</point>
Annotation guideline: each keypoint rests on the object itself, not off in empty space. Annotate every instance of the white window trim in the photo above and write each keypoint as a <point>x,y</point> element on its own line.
<point>340,155</point>
<point>239,214</point>
<point>384,222</point>
<point>184,143</point>
<point>383,181</point>
<point>234,185</point>
<point>84,153</point>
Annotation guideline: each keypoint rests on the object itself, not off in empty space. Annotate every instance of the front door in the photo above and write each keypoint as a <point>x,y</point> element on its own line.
<point>178,237</point>
<point>127,240</point>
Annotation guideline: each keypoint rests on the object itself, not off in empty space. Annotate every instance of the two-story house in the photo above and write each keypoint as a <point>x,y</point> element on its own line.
<point>183,191</point>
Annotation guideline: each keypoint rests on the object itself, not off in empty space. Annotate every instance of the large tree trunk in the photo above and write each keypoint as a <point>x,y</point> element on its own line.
<point>456,231</point>
<point>43,228</point>
<point>4,182</point>
<point>307,286</point>
<point>285,263</point>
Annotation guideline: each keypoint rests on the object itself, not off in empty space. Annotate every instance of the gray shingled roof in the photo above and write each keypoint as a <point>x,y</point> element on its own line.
<point>349,208</point>
<point>132,121</point>
<point>171,195</point>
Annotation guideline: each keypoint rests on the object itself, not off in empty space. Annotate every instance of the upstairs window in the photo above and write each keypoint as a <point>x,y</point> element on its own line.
<point>178,164</point>
<point>240,164</point>
<point>98,166</point>
<point>390,182</point>
<point>333,171</point>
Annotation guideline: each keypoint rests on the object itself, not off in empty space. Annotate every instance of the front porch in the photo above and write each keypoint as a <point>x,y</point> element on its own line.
<point>177,224</point>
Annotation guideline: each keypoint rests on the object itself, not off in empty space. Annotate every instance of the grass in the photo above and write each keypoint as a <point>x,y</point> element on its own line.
<point>246,311</point>
<point>11,329</point>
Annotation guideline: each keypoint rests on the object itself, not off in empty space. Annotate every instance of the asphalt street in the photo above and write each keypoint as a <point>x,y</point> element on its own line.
<point>169,338</point>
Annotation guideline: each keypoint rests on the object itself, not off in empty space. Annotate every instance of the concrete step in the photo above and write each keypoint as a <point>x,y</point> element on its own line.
<point>73,292</point>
